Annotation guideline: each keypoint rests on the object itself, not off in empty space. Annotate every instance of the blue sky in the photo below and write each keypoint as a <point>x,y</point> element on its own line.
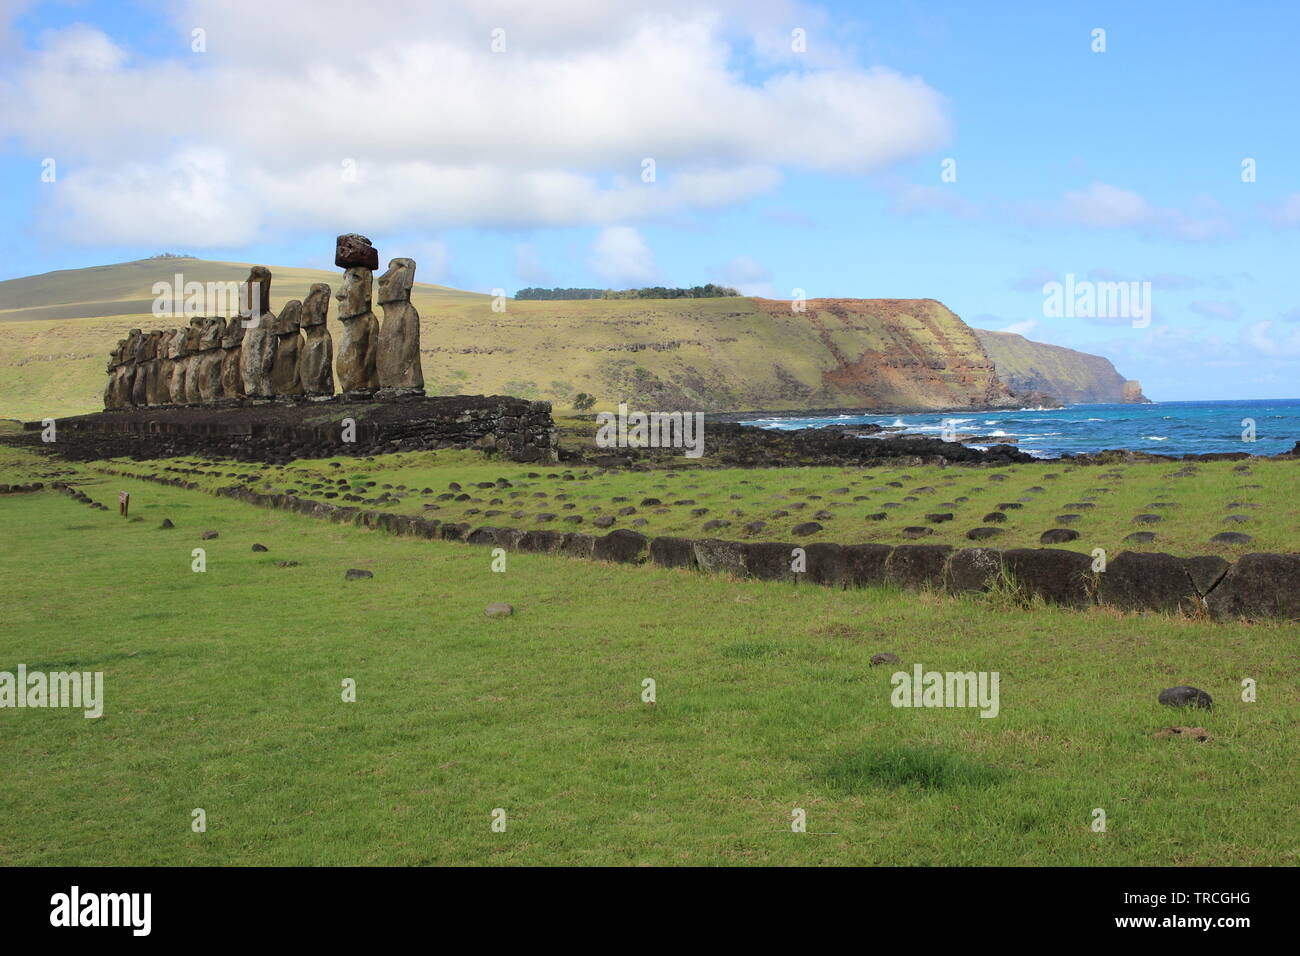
<point>775,169</point>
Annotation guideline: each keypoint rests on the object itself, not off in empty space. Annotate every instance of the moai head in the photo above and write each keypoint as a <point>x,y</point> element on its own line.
<point>181,342</point>
<point>115,356</point>
<point>134,346</point>
<point>194,334</point>
<point>395,284</point>
<point>213,329</point>
<point>255,295</point>
<point>154,349</point>
<point>354,297</point>
<point>233,336</point>
<point>287,322</point>
<point>316,307</point>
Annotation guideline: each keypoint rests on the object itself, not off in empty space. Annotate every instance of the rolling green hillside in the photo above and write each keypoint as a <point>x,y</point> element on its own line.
<point>724,354</point>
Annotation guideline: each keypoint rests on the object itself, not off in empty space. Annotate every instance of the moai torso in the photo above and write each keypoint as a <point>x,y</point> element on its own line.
<point>180,364</point>
<point>154,374</point>
<point>316,361</point>
<point>208,365</point>
<point>359,341</point>
<point>398,359</point>
<point>232,380</point>
<point>126,383</point>
<point>288,348</point>
<point>114,373</point>
<point>193,340</point>
<point>257,353</point>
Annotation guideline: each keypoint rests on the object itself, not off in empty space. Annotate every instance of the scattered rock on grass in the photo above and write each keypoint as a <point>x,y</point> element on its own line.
<point>355,574</point>
<point>1186,697</point>
<point>499,610</point>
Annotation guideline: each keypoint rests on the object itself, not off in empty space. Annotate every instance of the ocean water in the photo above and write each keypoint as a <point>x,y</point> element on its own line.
<point>1163,428</point>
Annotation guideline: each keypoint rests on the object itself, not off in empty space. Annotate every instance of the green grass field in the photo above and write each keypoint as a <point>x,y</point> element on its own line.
<point>1104,500</point>
<point>223,692</point>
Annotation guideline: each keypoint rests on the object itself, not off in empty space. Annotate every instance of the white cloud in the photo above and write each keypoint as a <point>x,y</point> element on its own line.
<point>1025,328</point>
<point>749,277</point>
<point>621,257</point>
<point>1103,206</point>
<point>442,130</point>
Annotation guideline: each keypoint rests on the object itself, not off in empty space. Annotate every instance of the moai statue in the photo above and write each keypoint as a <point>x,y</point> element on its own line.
<point>316,361</point>
<point>232,381</point>
<point>165,367</point>
<point>153,367</point>
<point>360,340</point>
<point>398,362</point>
<point>207,366</point>
<point>193,342</point>
<point>288,349</point>
<point>114,363</point>
<point>257,354</point>
<point>180,356</point>
<point>140,385</point>
<point>126,381</point>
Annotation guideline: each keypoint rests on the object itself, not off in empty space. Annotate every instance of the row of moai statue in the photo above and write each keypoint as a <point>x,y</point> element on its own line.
<point>260,356</point>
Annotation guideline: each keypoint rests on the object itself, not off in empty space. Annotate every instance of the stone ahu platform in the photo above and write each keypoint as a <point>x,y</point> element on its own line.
<point>278,432</point>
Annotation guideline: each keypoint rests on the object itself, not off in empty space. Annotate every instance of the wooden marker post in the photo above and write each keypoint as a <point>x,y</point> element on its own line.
<point>123,503</point>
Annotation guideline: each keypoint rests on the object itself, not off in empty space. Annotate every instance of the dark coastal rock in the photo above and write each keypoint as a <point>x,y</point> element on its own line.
<point>1258,587</point>
<point>917,565</point>
<point>1057,576</point>
<point>1186,697</point>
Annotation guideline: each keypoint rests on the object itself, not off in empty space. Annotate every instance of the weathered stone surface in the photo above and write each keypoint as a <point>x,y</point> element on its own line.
<point>1058,536</point>
<point>917,565</point>
<point>205,369</point>
<point>1147,581</point>
<point>1206,571</point>
<point>288,350</point>
<point>316,360</point>
<point>1231,537</point>
<point>806,528</point>
<point>983,532</point>
<point>715,556</point>
<point>575,545</point>
<point>864,564</point>
<point>623,546</point>
<point>499,609</point>
<point>398,357</point>
<point>1057,576</point>
<point>669,552</point>
<point>972,569</point>
<point>484,535</point>
<point>194,360</point>
<point>232,340</point>
<point>1140,537</point>
<point>1258,587</point>
<point>770,560</point>
<point>540,542</point>
<point>1186,697</point>
<point>917,531</point>
<point>453,531</point>
<point>359,343</point>
<point>825,564</point>
<point>353,249</point>
<point>257,352</point>
<point>358,574</point>
<point>885,657</point>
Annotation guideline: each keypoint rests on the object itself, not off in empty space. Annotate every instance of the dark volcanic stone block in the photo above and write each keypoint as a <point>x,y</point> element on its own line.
<point>355,250</point>
<point>972,569</point>
<point>626,547</point>
<point>576,545</point>
<point>672,552</point>
<point>825,564</point>
<point>1058,536</point>
<point>1147,581</point>
<point>979,534</point>
<point>770,560</point>
<point>917,565</point>
<point>864,564</point>
<point>540,542</point>
<point>1258,587</point>
<point>484,535</point>
<point>720,557</point>
<point>453,532</point>
<point>1059,577</point>
<point>1206,571</point>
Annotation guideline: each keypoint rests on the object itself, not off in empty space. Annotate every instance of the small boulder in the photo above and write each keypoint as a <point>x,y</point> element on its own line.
<point>1058,536</point>
<point>885,657</point>
<point>1186,697</point>
<point>259,547</point>
<point>208,535</point>
<point>498,610</point>
<point>356,574</point>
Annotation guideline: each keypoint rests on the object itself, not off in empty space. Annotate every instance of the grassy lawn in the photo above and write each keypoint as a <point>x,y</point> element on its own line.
<point>1191,503</point>
<point>223,691</point>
